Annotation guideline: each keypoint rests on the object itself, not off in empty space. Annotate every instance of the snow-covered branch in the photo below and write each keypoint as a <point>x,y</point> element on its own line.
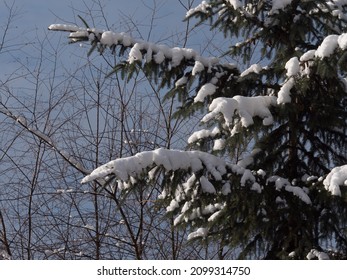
<point>125,169</point>
<point>171,160</point>
<point>245,107</point>
<point>301,67</point>
<point>153,52</point>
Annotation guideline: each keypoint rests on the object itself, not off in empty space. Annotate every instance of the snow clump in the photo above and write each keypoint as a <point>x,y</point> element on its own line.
<point>246,107</point>
<point>201,232</point>
<point>124,168</point>
<point>336,178</point>
<point>235,3</point>
<point>282,183</point>
<point>317,254</point>
<point>292,66</point>
<point>202,7</point>
<point>255,68</point>
<point>328,46</point>
<point>205,90</point>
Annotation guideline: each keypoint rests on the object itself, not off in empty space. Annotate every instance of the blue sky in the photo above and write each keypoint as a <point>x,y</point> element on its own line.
<point>38,14</point>
<point>132,16</point>
<point>34,17</point>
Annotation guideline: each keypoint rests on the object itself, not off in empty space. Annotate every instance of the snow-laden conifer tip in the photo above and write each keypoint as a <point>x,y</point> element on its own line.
<point>65,27</point>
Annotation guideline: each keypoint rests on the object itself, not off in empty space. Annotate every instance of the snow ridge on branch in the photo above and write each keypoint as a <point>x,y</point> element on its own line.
<point>171,160</point>
<point>154,52</point>
<point>194,161</point>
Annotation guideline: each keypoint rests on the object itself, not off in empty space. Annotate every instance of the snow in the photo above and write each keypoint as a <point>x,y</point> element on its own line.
<point>282,183</point>
<point>159,57</point>
<point>256,187</point>
<point>152,51</point>
<point>205,90</point>
<point>195,213</point>
<point>215,216</point>
<point>249,107</point>
<point>342,41</point>
<point>64,27</point>
<point>171,160</point>
<point>255,68</point>
<point>280,200</point>
<point>219,144</point>
<point>226,189</point>
<point>178,219</point>
<point>317,254</point>
<point>235,3</point>
<point>202,7</point>
<point>284,93</point>
<point>336,178</point>
<point>328,46</point>
<point>181,82</point>
<point>246,107</point>
<point>126,39</point>
<point>292,66</point>
<point>225,106</point>
<point>209,209</point>
<point>61,191</point>
<point>149,54</point>
<point>309,55</point>
<point>204,133</point>
<point>206,185</point>
<point>177,56</point>
<point>293,69</point>
<point>307,178</point>
<point>189,184</point>
<point>247,176</point>
<point>173,205</point>
<point>208,61</point>
<point>261,173</point>
<point>201,232</point>
<point>336,8</point>
<point>198,67</point>
<point>339,3</point>
<point>186,206</point>
<point>135,53</point>
<point>109,38</point>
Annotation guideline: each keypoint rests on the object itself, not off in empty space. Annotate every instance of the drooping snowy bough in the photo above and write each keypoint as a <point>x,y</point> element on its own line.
<point>191,175</point>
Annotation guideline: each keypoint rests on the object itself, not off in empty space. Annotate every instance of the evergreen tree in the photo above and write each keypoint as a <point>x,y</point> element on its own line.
<point>286,198</point>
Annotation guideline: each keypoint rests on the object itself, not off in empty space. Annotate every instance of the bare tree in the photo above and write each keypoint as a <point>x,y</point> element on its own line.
<point>59,120</point>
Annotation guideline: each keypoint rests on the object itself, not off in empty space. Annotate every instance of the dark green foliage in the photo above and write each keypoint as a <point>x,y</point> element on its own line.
<point>309,135</point>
